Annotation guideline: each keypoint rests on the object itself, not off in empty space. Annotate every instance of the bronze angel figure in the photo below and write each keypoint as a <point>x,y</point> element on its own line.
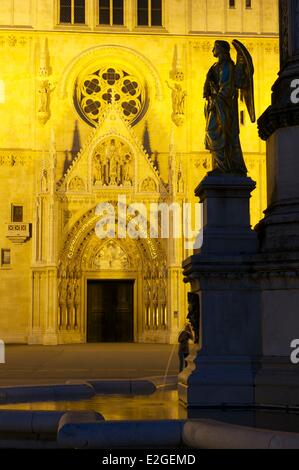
<point>221,90</point>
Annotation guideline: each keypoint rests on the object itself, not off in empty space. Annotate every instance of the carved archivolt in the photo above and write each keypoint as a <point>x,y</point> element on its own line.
<point>113,164</point>
<point>96,90</point>
<point>83,251</point>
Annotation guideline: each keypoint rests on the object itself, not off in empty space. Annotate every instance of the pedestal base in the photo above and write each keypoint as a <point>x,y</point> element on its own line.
<point>218,381</point>
<point>221,274</point>
<point>50,338</point>
<point>277,382</point>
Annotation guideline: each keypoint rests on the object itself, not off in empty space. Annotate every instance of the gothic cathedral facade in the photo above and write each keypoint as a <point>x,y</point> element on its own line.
<point>101,103</point>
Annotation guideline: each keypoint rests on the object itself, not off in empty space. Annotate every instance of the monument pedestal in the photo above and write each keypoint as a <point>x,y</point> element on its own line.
<point>277,381</point>
<point>222,275</point>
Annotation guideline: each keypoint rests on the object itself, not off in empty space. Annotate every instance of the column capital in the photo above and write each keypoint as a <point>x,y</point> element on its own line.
<point>284,112</point>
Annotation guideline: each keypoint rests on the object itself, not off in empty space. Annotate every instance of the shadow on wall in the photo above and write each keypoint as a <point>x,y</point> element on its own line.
<point>70,155</point>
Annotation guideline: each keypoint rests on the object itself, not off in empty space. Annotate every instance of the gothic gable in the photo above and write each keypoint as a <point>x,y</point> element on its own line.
<point>112,158</point>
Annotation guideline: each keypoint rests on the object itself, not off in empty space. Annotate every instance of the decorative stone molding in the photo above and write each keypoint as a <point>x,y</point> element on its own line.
<point>76,184</point>
<point>276,118</point>
<point>148,185</point>
<point>92,158</point>
<point>11,160</point>
<point>100,54</point>
<point>14,41</point>
<point>18,232</point>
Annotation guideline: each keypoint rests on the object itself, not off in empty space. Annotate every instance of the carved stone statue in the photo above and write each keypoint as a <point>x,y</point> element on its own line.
<point>221,90</point>
<point>178,96</point>
<point>44,90</point>
<point>112,164</point>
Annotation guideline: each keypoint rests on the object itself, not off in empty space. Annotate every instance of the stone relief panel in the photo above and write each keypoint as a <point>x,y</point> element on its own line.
<point>13,41</point>
<point>111,256</point>
<point>148,185</point>
<point>76,184</point>
<point>12,160</point>
<point>113,164</point>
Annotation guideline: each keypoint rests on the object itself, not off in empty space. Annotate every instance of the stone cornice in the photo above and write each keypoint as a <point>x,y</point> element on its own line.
<point>256,268</point>
<point>275,118</point>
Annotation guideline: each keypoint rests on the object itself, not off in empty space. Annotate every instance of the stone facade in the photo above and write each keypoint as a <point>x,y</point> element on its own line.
<point>91,112</point>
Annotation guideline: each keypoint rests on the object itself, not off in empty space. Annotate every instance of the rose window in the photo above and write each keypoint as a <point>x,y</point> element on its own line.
<point>110,84</point>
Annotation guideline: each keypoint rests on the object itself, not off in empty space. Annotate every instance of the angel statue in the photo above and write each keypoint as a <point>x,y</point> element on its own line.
<point>221,91</point>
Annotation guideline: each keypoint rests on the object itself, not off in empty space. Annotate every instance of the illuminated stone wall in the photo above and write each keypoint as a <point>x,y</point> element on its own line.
<point>47,118</point>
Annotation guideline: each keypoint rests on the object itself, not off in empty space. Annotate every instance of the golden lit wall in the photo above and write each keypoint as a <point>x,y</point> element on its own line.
<point>41,59</point>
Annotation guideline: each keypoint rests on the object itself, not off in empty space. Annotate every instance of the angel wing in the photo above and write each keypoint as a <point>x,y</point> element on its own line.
<point>244,60</point>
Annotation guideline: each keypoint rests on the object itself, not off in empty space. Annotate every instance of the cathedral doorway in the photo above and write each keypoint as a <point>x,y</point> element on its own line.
<point>110,317</point>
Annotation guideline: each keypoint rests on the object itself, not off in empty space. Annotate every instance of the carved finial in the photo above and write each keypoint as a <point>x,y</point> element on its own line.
<point>43,62</point>
<point>177,73</point>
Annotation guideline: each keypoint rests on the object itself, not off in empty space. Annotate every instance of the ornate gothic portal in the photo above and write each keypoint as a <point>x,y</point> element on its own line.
<point>91,270</point>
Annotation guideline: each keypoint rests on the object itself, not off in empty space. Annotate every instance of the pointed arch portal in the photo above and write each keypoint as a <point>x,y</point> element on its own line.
<point>110,290</point>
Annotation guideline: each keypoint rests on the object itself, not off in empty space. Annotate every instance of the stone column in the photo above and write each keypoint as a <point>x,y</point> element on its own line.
<point>277,265</point>
<point>279,125</point>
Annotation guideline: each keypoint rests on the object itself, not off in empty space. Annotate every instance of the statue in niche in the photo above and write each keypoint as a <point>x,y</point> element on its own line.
<point>221,90</point>
<point>113,164</point>
<point>63,292</point>
<point>112,155</point>
<point>44,182</point>
<point>178,97</point>
<point>127,169</point>
<point>44,90</point>
<point>99,169</point>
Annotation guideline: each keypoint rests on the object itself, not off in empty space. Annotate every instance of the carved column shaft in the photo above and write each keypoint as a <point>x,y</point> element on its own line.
<point>279,125</point>
<point>289,32</point>
<point>283,112</point>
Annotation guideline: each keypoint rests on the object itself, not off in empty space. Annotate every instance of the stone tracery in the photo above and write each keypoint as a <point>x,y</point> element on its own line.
<point>103,86</point>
